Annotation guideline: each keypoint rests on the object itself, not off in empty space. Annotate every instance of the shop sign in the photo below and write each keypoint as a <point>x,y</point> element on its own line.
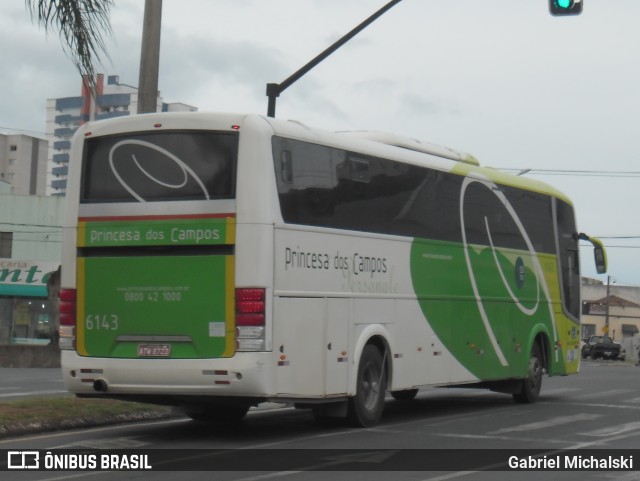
<point>25,278</point>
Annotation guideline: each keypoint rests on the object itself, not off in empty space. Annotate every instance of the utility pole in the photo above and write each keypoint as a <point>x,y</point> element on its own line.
<point>606,318</point>
<point>150,57</point>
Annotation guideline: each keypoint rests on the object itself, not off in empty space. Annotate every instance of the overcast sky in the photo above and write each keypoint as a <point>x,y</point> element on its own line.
<point>501,79</point>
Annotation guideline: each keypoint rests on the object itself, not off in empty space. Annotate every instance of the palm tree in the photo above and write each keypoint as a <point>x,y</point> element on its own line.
<point>81,25</point>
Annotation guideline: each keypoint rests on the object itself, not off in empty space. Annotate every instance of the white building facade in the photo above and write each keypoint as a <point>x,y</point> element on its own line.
<point>30,251</point>
<point>23,163</point>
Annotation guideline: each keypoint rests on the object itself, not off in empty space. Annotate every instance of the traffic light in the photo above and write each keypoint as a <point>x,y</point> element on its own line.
<point>565,7</point>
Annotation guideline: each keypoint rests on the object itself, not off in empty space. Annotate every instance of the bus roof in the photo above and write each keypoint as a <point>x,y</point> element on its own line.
<point>412,151</point>
<point>403,149</point>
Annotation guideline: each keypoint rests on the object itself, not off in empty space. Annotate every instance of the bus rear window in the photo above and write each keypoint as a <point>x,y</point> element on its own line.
<point>159,166</point>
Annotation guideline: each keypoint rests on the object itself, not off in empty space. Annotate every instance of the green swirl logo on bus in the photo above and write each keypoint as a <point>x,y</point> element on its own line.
<point>506,291</point>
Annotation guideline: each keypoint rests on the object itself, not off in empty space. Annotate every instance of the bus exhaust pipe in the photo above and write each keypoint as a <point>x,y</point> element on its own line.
<point>100,385</point>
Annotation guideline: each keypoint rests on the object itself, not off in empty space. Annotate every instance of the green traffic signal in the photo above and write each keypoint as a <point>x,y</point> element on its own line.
<point>565,7</point>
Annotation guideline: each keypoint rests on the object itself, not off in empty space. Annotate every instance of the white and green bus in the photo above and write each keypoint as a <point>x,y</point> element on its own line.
<point>217,261</point>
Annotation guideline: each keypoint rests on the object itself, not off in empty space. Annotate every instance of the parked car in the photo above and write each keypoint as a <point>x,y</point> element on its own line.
<point>600,346</point>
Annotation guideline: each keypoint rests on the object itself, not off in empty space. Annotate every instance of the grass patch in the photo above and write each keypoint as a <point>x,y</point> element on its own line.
<point>36,409</point>
<point>53,413</point>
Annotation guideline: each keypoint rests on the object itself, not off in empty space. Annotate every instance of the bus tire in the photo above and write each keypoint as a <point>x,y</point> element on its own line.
<point>221,414</point>
<point>365,408</point>
<point>530,386</point>
<point>406,395</point>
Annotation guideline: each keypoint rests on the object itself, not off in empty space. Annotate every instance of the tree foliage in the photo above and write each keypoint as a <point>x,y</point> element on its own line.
<point>81,25</point>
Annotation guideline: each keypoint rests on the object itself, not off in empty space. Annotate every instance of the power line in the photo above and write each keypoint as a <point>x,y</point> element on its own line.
<point>608,246</point>
<point>618,237</point>
<point>11,129</point>
<point>46,226</point>
<point>39,241</point>
<point>570,172</point>
<point>622,238</point>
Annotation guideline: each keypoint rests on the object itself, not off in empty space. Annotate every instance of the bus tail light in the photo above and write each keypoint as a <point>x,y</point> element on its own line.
<point>67,318</point>
<point>250,319</point>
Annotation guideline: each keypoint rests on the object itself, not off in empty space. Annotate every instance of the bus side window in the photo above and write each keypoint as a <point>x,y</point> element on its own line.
<point>359,169</point>
<point>286,166</point>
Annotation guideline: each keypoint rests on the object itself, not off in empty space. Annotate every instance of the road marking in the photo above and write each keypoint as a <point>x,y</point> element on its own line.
<point>619,476</point>
<point>594,405</point>
<point>608,393</point>
<point>276,474</point>
<point>614,430</point>
<point>560,390</point>
<point>115,443</point>
<point>450,476</point>
<point>93,430</point>
<point>34,393</point>
<point>503,438</point>
<point>72,476</point>
<point>548,423</point>
<point>371,457</point>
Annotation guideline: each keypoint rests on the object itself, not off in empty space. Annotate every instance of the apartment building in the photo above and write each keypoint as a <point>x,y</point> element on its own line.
<point>23,163</point>
<point>66,114</point>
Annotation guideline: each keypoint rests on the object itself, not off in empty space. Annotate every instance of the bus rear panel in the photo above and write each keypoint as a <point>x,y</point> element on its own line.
<point>153,293</point>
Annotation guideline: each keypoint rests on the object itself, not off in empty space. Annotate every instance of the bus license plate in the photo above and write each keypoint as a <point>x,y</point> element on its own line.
<point>154,350</point>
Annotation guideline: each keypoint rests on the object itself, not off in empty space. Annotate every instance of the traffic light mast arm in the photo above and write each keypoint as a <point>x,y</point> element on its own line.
<point>274,90</point>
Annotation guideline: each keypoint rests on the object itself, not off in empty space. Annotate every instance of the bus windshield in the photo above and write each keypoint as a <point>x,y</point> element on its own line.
<point>162,166</point>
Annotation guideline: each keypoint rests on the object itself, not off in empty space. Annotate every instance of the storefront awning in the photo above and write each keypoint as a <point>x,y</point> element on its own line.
<point>9,290</point>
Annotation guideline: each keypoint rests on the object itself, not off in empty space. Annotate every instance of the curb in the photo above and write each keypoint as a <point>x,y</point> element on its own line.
<point>36,427</point>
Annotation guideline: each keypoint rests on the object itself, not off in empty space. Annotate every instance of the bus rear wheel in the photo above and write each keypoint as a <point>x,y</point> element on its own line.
<point>530,386</point>
<point>221,414</point>
<point>365,408</point>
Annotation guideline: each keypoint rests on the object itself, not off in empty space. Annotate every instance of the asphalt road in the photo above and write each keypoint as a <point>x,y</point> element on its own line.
<point>597,409</point>
<point>19,383</point>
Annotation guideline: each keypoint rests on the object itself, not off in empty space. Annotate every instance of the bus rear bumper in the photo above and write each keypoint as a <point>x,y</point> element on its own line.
<point>244,375</point>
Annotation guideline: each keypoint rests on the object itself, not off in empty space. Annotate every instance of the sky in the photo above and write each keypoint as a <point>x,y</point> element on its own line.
<point>501,79</point>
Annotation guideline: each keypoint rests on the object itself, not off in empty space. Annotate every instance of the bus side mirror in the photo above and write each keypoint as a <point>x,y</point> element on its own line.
<point>600,258</point>
<point>599,254</point>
